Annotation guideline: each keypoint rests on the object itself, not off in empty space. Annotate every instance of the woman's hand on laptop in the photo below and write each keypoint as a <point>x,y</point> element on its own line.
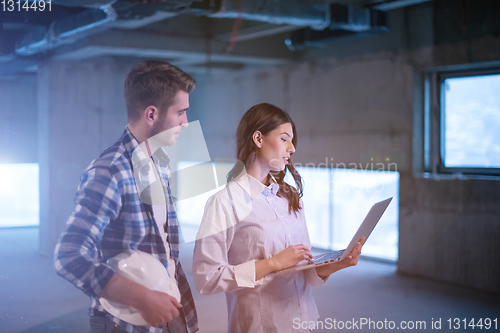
<point>287,258</point>
<point>350,260</point>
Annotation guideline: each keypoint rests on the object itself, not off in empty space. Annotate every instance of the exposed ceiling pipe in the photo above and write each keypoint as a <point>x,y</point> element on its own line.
<point>83,3</point>
<point>17,65</point>
<point>394,4</point>
<point>302,13</point>
<point>256,32</point>
<point>313,14</point>
<point>123,14</point>
<point>66,30</point>
<point>345,21</point>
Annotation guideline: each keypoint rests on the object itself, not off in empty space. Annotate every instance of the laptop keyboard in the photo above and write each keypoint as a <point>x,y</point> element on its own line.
<point>328,256</point>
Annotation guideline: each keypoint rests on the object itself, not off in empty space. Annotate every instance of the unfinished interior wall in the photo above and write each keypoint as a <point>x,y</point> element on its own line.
<point>18,128</point>
<point>356,101</point>
<point>81,112</point>
<point>353,101</point>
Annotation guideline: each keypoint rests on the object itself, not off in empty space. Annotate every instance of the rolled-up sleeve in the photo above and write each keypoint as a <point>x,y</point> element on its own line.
<point>211,269</point>
<point>314,279</point>
<point>76,257</point>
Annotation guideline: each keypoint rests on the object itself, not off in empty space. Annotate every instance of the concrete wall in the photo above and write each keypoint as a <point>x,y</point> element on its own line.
<point>81,111</point>
<point>18,125</point>
<point>352,101</point>
<point>356,100</point>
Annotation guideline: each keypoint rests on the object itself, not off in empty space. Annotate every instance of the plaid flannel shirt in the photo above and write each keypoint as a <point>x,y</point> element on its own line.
<point>110,218</point>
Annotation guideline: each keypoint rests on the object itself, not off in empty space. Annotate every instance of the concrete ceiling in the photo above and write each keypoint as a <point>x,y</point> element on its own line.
<point>155,28</point>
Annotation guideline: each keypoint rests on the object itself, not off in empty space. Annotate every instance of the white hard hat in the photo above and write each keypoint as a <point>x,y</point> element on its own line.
<point>144,269</point>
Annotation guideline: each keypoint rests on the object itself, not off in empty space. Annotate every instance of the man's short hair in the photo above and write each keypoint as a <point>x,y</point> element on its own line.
<point>154,82</point>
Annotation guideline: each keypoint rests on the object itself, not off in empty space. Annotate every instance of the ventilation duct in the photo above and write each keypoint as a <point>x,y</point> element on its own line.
<point>65,30</point>
<point>301,13</point>
<point>123,14</point>
<point>344,21</point>
<point>83,3</point>
<point>322,19</point>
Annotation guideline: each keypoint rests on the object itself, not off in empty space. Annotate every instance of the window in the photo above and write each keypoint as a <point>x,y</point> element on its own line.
<point>471,121</point>
<point>462,122</point>
<point>19,193</point>
<point>317,198</point>
<point>336,202</point>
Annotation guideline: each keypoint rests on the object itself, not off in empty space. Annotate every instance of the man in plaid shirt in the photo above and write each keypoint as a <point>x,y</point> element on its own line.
<point>110,217</point>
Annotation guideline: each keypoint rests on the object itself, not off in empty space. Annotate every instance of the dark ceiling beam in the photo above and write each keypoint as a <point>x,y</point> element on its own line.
<point>18,65</point>
<point>194,50</point>
<point>301,13</point>
<point>393,4</point>
<point>256,32</point>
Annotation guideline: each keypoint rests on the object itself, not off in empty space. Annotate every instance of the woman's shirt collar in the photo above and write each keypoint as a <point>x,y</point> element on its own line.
<point>254,187</point>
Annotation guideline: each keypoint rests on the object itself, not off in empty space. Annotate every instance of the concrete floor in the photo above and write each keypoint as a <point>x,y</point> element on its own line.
<point>34,299</point>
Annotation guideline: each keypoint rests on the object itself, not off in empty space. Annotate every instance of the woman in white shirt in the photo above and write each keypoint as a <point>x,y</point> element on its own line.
<point>256,226</point>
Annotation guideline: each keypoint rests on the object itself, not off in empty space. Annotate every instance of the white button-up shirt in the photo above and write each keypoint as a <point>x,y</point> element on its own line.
<point>245,222</point>
<point>158,199</point>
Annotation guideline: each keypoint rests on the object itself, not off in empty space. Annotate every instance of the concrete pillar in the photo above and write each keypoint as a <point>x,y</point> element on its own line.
<point>81,111</point>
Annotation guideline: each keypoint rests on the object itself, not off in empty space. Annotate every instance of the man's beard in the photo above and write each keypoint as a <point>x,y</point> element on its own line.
<point>164,136</point>
<point>157,127</point>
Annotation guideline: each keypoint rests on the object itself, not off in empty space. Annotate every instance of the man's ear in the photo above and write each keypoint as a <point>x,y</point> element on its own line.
<point>151,114</point>
<point>257,139</point>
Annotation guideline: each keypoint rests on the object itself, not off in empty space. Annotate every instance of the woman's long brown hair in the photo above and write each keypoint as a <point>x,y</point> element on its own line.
<point>264,118</point>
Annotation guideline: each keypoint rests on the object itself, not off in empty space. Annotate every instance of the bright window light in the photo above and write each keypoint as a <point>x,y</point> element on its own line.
<point>19,195</point>
<point>354,192</point>
<point>336,202</point>
<point>470,116</point>
<point>317,200</point>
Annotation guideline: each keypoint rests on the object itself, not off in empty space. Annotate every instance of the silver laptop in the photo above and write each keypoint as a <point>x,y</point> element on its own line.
<point>364,230</point>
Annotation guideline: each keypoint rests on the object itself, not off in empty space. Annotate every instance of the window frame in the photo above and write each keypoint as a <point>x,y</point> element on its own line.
<point>433,124</point>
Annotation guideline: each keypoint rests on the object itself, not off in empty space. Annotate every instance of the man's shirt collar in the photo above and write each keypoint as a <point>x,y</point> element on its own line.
<point>139,156</point>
